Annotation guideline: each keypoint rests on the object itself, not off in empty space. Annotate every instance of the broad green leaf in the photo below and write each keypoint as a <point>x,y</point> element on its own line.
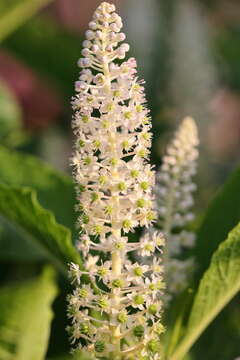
<point>223,214</point>
<point>55,191</point>
<point>223,330</point>
<point>26,316</point>
<point>20,205</point>
<point>176,316</point>
<point>219,285</point>
<point>15,13</point>
<point>10,238</point>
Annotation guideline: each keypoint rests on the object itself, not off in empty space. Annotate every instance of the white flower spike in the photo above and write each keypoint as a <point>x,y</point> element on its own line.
<point>114,183</point>
<point>174,201</point>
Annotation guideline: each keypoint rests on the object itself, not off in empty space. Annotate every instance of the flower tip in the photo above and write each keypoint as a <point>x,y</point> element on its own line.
<point>190,123</point>
<point>105,6</point>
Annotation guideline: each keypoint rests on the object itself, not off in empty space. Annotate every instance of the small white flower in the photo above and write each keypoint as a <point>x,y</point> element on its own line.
<point>136,300</point>
<point>75,273</point>
<point>147,246</point>
<point>135,272</point>
<point>157,266</point>
<point>91,262</point>
<point>174,200</point>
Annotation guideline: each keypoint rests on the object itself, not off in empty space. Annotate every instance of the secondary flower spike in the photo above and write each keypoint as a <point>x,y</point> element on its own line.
<point>174,201</point>
<point>114,182</point>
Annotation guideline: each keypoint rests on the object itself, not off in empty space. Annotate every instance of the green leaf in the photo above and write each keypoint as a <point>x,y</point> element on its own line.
<point>55,191</point>
<point>222,215</point>
<point>15,13</point>
<point>25,317</point>
<point>176,321</point>
<point>218,286</point>
<point>20,205</point>
<point>223,330</point>
<point>10,238</point>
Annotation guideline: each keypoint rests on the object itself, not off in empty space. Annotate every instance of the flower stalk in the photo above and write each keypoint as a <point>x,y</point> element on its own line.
<point>114,182</point>
<point>174,200</point>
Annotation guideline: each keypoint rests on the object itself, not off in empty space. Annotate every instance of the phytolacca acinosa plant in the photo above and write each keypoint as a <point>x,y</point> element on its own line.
<point>114,183</point>
<point>174,200</point>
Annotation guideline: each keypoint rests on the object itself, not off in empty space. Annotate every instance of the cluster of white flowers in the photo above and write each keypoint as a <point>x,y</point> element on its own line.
<point>120,316</point>
<point>174,200</point>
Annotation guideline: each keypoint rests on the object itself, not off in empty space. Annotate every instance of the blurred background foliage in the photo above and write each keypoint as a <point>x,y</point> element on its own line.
<point>188,52</point>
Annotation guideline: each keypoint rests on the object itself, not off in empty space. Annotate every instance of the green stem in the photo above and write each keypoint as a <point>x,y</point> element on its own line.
<point>192,334</point>
<point>116,258</point>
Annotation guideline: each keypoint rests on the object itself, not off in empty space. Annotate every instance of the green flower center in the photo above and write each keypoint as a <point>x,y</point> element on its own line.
<point>85,118</point>
<point>128,115</point>
<point>102,303</point>
<point>138,271</point>
<point>102,179</point>
<point>153,345</point>
<point>148,247</point>
<point>98,229</point>
<point>102,271</point>
<point>144,185</point>
<point>84,328</point>
<point>139,108</point>
<point>87,160</point>
<point>122,186</point>
<point>118,283</point>
<point>81,143</point>
<point>122,317</point>
<point>127,224</point>
<point>152,309</point>
<point>94,196</point>
<point>141,203</point>
<point>138,300</point>
<point>83,293</point>
<point>134,173</point>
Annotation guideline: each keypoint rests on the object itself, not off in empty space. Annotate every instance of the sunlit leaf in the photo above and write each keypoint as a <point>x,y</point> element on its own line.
<point>26,316</point>
<point>222,215</point>
<point>20,206</point>
<point>55,190</point>
<point>219,285</point>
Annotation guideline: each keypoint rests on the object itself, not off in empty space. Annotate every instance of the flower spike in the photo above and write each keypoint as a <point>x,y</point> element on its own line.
<point>114,183</point>
<point>174,200</point>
